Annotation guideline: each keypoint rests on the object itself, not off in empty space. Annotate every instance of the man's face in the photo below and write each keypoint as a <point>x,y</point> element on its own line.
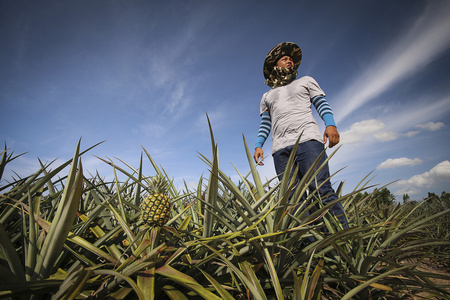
<point>285,62</point>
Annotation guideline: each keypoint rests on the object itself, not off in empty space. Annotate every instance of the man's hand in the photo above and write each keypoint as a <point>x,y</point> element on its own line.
<point>259,156</point>
<point>332,135</point>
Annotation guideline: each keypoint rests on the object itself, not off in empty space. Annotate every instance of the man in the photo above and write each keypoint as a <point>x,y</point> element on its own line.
<point>287,109</point>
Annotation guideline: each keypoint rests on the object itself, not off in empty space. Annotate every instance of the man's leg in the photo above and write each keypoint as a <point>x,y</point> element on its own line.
<point>307,153</point>
<point>280,160</point>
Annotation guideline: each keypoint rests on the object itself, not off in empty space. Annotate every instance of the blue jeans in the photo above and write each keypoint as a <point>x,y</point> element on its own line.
<point>307,153</point>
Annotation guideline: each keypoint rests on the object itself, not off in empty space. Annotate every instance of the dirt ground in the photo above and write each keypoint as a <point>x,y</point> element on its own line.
<point>436,268</point>
<point>427,265</point>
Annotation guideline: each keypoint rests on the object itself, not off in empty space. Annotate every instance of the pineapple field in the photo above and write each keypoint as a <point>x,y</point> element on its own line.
<point>81,237</point>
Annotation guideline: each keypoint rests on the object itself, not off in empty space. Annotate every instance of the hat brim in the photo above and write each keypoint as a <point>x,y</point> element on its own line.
<point>284,49</point>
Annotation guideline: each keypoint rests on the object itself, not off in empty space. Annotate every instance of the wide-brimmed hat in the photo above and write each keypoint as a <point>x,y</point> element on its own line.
<point>280,50</point>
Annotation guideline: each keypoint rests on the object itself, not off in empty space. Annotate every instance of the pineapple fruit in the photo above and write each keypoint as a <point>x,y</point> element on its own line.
<point>155,208</point>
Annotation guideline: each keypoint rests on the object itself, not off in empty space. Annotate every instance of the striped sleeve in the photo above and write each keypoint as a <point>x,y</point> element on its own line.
<point>324,110</point>
<point>264,129</point>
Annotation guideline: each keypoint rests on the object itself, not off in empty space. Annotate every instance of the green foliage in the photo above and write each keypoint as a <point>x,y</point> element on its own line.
<point>438,228</point>
<point>77,237</point>
<point>379,198</point>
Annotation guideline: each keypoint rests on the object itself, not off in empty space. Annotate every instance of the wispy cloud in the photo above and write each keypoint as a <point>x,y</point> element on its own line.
<point>415,184</point>
<point>152,129</point>
<point>25,166</point>
<point>21,166</point>
<point>169,57</point>
<point>426,40</point>
<point>178,100</point>
<point>421,111</point>
<point>165,61</point>
<point>399,162</point>
<point>218,117</point>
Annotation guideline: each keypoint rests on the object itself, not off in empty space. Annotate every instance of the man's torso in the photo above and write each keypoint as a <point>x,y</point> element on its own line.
<point>290,111</point>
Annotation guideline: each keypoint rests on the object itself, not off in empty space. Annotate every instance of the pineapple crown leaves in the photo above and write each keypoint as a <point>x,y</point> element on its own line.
<point>159,185</point>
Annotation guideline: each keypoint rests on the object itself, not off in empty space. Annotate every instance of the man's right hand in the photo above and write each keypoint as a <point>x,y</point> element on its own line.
<point>259,156</point>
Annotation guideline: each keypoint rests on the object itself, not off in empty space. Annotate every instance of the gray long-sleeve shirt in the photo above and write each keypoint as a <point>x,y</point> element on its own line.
<point>291,114</point>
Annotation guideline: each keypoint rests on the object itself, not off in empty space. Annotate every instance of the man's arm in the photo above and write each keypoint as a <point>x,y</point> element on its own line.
<point>263,133</point>
<point>331,133</point>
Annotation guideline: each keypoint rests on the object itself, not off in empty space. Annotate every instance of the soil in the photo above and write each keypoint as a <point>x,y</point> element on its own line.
<point>435,267</point>
<point>427,265</point>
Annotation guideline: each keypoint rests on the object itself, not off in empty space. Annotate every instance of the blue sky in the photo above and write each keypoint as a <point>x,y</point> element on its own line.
<point>146,73</point>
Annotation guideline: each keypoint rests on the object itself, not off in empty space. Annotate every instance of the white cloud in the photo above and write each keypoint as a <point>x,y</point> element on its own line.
<point>412,133</point>
<point>361,130</point>
<point>368,129</point>
<point>373,128</point>
<point>386,136</point>
<point>399,162</point>
<point>425,40</point>
<point>432,126</point>
<point>415,184</point>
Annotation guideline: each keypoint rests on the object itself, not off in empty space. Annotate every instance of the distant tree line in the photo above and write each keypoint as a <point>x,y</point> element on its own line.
<point>385,197</point>
<point>386,203</point>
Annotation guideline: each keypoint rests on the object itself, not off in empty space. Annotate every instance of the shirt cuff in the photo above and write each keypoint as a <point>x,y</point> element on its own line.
<point>329,120</point>
<point>260,142</point>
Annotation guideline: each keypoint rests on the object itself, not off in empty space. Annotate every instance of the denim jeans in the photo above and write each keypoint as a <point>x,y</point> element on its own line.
<point>307,153</point>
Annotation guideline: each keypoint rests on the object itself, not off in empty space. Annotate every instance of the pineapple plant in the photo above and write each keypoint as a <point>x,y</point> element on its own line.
<point>231,242</point>
<point>155,209</point>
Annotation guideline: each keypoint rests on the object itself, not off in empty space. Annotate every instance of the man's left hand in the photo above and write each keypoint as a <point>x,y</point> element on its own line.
<point>332,136</point>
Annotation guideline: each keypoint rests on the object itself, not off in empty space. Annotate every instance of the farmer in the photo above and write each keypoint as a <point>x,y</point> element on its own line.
<point>287,108</point>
